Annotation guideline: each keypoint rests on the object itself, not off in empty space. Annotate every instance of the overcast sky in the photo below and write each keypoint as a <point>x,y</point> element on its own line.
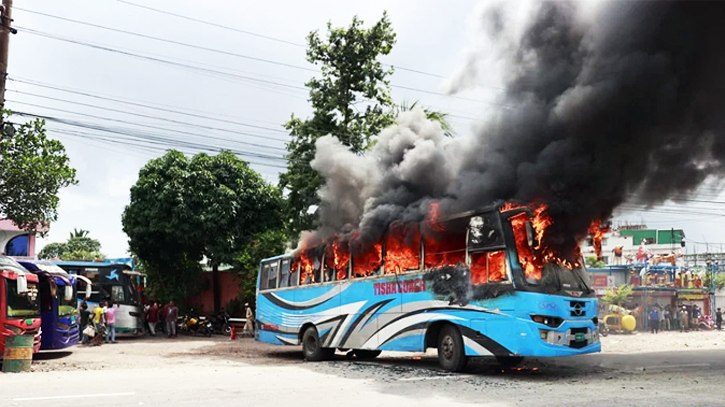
<point>117,99</point>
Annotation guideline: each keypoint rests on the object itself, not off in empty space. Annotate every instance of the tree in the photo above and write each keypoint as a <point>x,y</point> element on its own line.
<point>593,262</point>
<point>78,247</point>
<point>433,115</point>
<point>351,100</point>
<point>618,296</point>
<point>78,233</point>
<point>32,170</point>
<point>266,244</point>
<point>184,210</point>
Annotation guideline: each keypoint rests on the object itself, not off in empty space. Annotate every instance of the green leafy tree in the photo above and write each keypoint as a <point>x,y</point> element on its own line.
<point>78,247</point>
<point>32,170</point>
<point>266,244</point>
<point>350,100</point>
<point>433,115</point>
<point>593,262</point>
<point>79,233</point>
<point>184,210</point>
<point>618,296</point>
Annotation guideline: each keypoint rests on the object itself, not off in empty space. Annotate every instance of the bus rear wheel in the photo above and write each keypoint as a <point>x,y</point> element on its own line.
<point>451,355</point>
<point>312,346</point>
<point>366,354</point>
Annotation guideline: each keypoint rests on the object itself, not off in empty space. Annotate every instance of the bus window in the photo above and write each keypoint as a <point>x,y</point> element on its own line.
<point>485,232</point>
<point>402,248</point>
<point>264,277</point>
<point>337,257</point>
<point>488,267</point>
<point>445,247</point>
<point>284,273</point>
<point>273,268</point>
<point>366,261</point>
<point>294,275</point>
<point>310,267</point>
<point>118,294</point>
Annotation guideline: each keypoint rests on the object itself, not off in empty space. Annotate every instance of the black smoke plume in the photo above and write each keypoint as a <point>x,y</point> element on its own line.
<point>628,106</point>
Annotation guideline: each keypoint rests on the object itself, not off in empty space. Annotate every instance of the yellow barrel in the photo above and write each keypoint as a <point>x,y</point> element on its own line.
<point>629,322</point>
<point>18,355</point>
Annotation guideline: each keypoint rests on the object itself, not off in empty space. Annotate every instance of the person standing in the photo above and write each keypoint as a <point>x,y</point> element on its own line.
<point>111,323</point>
<point>684,320</point>
<point>665,325</point>
<point>654,320</point>
<point>695,317</point>
<point>172,315</point>
<point>152,317</point>
<point>249,323</point>
<point>718,319</point>
<point>85,320</point>
<point>99,320</point>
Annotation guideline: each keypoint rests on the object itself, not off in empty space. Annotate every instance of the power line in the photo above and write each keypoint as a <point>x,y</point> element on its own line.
<point>163,118</point>
<point>261,35</point>
<point>129,131</point>
<point>211,24</point>
<point>161,60</point>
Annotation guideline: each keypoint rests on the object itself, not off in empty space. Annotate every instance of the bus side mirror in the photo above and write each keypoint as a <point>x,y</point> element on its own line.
<point>68,294</point>
<point>22,284</point>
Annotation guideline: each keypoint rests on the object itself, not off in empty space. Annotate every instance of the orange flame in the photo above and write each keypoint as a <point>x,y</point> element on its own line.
<point>402,248</point>
<point>337,257</point>
<point>596,231</point>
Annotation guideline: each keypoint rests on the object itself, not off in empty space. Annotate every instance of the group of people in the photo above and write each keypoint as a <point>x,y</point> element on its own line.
<point>168,313</point>
<point>673,319</point>
<point>98,325</point>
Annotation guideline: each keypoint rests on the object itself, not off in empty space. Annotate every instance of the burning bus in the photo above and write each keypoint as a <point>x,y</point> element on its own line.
<point>482,283</point>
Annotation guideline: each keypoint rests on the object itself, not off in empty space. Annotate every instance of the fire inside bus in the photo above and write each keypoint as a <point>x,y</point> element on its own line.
<point>19,303</point>
<point>477,284</point>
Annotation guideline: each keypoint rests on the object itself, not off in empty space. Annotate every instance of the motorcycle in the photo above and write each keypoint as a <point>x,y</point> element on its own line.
<point>603,329</point>
<point>191,325</point>
<point>220,324</point>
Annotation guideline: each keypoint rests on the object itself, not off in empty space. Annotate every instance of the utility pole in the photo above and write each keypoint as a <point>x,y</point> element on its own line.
<point>5,31</point>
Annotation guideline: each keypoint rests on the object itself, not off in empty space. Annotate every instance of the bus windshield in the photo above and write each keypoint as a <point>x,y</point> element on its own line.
<point>557,277</point>
<point>22,305</point>
<point>69,307</point>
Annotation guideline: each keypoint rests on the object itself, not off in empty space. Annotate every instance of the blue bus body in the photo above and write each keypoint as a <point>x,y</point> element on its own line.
<point>112,281</point>
<point>59,317</point>
<point>405,311</point>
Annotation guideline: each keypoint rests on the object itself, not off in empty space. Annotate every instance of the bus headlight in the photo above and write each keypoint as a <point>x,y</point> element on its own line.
<point>553,322</point>
<point>14,329</point>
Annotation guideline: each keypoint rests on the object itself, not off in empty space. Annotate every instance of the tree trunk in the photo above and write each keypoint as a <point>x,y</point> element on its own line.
<point>215,286</point>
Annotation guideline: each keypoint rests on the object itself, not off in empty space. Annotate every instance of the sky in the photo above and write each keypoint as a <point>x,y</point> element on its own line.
<point>117,98</point>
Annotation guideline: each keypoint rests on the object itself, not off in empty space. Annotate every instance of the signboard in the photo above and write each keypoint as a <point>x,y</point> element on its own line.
<point>691,296</point>
<point>599,280</point>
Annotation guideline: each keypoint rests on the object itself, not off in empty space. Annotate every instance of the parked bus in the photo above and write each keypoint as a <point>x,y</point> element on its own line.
<point>19,305</point>
<point>60,321</point>
<point>112,282</point>
<point>468,285</point>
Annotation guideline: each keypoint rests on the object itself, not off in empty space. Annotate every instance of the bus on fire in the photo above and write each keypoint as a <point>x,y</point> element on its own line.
<point>476,284</point>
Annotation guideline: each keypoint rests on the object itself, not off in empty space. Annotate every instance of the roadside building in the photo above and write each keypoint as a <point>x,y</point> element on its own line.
<point>16,242</point>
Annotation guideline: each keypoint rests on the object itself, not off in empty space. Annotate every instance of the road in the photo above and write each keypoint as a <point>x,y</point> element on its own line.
<point>220,373</point>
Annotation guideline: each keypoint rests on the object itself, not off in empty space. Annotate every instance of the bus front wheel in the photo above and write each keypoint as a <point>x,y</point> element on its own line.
<point>451,355</point>
<point>312,346</point>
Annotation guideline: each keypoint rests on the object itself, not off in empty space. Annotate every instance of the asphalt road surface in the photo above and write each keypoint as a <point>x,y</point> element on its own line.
<point>198,372</point>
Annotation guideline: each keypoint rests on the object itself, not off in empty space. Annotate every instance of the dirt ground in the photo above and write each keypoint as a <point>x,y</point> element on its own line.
<point>142,352</point>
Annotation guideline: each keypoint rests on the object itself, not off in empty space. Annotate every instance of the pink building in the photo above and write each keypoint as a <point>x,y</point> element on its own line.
<point>16,242</point>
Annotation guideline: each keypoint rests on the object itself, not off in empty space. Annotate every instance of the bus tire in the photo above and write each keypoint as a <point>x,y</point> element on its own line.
<point>366,354</point>
<point>451,354</point>
<point>312,346</point>
<point>510,361</point>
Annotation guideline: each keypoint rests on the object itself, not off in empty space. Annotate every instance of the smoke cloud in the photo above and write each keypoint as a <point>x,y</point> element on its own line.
<point>627,106</point>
